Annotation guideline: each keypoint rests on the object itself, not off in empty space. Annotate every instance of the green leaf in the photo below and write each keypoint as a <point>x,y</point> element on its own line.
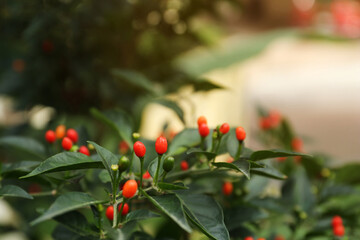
<point>236,216</point>
<point>63,162</point>
<point>265,154</point>
<point>66,203</point>
<point>205,85</point>
<point>104,176</point>
<point>269,171</point>
<point>348,173</point>
<point>239,165</point>
<point>77,223</point>
<point>172,207</point>
<point>205,213</point>
<point>169,186</point>
<point>303,195</point>
<point>173,106</point>
<point>209,155</point>
<point>14,191</point>
<point>23,166</point>
<point>107,157</point>
<point>184,140</point>
<point>140,214</point>
<point>118,120</point>
<point>25,145</point>
<point>136,79</point>
<point>152,167</point>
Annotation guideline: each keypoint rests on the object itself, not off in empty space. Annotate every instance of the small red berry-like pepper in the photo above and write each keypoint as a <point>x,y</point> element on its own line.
<point>50,136</point>
<point>227,188</point>
<point>261,239</point>
<point>201,120</point>
<point>123,147</point>
<point>339,231</point>
<point>297,144</point>
<point>72,134</point>
<point>184,165</point>
<point>130,188</point>
<point>84,150</point>
<point>336,220</point>
<point>265,123</point>
<point>161,145</point>
<point>60,131</point>
<point>224,128</point>
<point>125,209</point>
<point>146,175</point>
<point>240,133</point>
<point>274,118</point>
<point>203,130</point>
<point>66,143</point>
<point>139,149</point>
<point>110,213</point>
<point>279,238</point>
<point>281,159</point>
<point>249,238</point>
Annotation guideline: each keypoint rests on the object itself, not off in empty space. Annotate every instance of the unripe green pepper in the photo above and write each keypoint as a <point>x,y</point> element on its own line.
<point>168,164</point>
<point>123,163</point>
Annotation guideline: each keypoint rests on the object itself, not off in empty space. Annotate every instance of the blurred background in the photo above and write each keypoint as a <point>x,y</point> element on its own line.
<point>301,57</point>
<point>166,62</point>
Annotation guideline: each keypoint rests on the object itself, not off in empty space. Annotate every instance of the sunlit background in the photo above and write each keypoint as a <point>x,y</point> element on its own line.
<point>60,58</point>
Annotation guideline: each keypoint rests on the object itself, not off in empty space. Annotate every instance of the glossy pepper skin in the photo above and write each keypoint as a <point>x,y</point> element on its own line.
<point>161,145</point>
<point>336,220</point>
<point>130,188</point>
<point>84,150</point>
<point>339,231</point>
<point>125,210</point>
<point>240,134</point>
<point>60,131</point>
<point>203,130</point>
<point>201,120</point>
<point>139,149</point>
<point>110,213</point>
<point>227,188</point>
<point>72,134</point>
<point>168,164</point>
<point>50,136</point>
<point>184,165</point>
<point>224,128</point>
<point>66,143</point>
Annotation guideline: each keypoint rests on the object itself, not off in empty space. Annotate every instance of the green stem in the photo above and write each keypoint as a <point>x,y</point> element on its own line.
<point>202,144</point>
<point>217,148</point>
<point>157,170</point>
<point>131,161</point>
<point>238,152</point>
<point>163,177</point>
<point>115,215</point>
<point>121,209</point>
<point>141,171</point>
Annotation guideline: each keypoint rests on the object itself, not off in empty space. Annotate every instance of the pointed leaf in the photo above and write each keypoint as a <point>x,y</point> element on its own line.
<point>136,79</point>
<point>205,213</point>
<point>265,154</point>
<point>107,157</point>
<point>14,191</point>
<point>169,186</point>
<point>118,120</point>
<point>269,171</point>
<point>77,223</point>
<point>184,140</point>
<point>25,145</point>
<point>171,206</point>
<point>173,106</point>
<point>66,203</point>
<point>236,216</point>
<point>209,155</point>
<point>140,214</point>
<point>239,165</point>
<point>65,161</point>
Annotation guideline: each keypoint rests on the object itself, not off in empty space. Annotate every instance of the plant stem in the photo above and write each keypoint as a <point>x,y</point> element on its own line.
<point>157,170</point>
<point>141,171</point>
<point>238,152</point>
<point>202,144</point>
<point>163,177</point>
<point>131,161</point>
<point>121,209</point>
<point>115,215</point>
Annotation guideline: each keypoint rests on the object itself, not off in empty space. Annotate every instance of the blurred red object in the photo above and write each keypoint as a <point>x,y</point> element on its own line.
<point>303,12</point>
<point>346,17</point>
